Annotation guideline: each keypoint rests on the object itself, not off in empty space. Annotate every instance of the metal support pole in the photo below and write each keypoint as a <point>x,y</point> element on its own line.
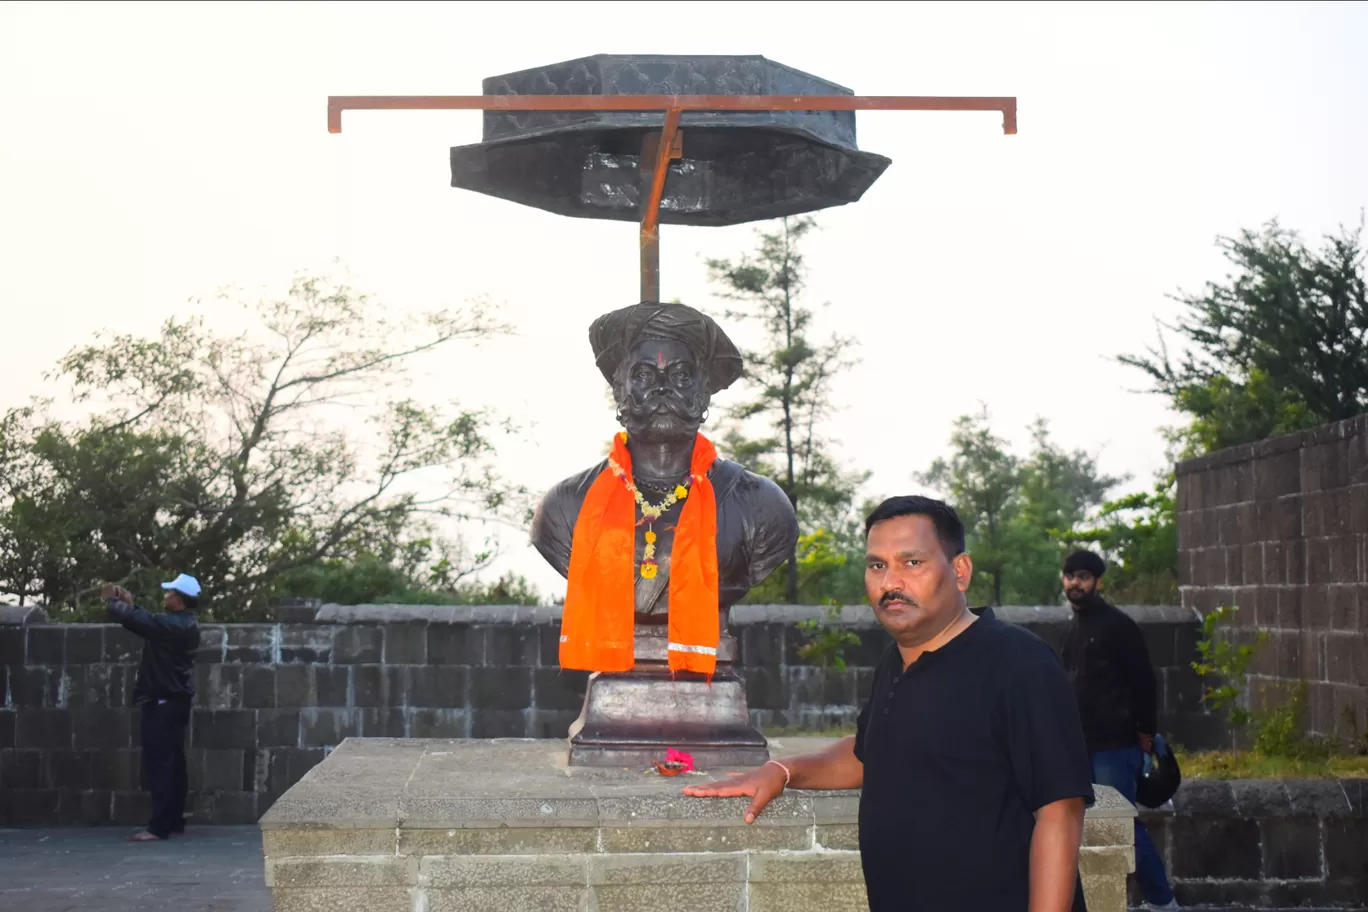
<point>657,151</point>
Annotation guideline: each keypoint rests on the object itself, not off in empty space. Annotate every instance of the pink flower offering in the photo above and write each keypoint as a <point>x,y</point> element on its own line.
<point>672,755</point>
<point>676,762</point>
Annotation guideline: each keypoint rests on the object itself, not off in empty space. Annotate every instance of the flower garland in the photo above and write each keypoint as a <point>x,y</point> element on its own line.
<point>650,513</point>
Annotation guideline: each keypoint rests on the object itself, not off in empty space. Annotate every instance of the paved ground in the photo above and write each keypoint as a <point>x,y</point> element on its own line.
<point>210,869</point>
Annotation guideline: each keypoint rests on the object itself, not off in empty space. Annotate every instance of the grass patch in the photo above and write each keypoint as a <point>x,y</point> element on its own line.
<point>1252,765</point>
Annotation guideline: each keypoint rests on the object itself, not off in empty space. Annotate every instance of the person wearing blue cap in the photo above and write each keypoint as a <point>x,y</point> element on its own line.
<point>164,692</point>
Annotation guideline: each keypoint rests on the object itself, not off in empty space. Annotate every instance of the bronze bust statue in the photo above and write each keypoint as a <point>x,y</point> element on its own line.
<point>664,363</point>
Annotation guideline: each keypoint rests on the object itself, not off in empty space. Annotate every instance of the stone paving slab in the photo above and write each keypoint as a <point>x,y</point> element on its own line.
<point>210,869</point>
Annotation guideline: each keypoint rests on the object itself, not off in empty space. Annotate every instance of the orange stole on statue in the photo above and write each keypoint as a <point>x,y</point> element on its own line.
<point>597,622</point>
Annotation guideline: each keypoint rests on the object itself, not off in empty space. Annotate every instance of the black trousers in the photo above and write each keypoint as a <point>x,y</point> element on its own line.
<point>163,763</point>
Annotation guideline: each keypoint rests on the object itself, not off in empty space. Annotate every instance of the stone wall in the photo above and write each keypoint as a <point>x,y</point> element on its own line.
<point>1279,528</point>
<point>273,699</point>
<point>1265,844</point>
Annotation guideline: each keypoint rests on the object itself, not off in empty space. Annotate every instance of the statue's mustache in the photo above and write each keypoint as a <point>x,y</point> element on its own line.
<point>670,404</point>
<point>656,402</point>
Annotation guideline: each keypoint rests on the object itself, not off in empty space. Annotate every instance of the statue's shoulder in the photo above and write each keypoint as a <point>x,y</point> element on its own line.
<point>553,523</point>
<point>768,517</point>
<point>731,479</point>
<point>561,504</point>
<point>574,488</point>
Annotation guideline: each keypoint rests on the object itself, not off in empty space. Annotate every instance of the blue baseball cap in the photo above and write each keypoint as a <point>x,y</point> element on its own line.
<point>185,585</point>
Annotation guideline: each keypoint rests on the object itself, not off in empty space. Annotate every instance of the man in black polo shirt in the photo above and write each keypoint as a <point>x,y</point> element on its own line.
<point>969,753</point>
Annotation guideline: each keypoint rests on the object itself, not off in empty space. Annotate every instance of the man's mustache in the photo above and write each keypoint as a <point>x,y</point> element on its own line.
<point>896,595</point>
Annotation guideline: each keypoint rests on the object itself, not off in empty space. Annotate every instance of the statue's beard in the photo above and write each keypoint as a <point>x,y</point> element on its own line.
<point>662,418</point>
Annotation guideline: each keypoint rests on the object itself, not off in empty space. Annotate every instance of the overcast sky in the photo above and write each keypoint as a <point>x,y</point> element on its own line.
<point>152,153</point>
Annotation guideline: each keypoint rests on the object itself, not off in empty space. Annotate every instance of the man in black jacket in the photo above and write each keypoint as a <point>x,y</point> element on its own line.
<point>164,691</point>
<point>1109,666</point>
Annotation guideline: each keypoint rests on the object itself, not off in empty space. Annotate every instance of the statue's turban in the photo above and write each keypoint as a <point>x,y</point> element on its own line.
<point>615,334</point>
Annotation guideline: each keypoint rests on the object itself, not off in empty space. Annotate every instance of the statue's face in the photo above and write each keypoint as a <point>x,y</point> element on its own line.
<point>662,395</point>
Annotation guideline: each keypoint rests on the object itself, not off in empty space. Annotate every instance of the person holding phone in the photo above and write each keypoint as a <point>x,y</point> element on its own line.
<point>164,691</point>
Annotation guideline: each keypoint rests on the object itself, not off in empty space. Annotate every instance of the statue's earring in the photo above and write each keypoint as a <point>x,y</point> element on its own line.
<point>619,413</point>
<point>706,413</point>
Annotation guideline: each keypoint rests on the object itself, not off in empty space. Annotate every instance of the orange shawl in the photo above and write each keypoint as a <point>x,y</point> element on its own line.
<point>597,623</point>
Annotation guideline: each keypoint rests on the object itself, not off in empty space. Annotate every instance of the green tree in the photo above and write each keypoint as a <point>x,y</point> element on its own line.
<point>81,499</point>
<point>1280,344</point>
<point>1138,535</point>
<point>830,568</point>
<point>1058,489</point>
<point>777,430</point>
<point>391,579</point>
<point>983,482</point>
<point>227,455</point>
<point>1016,511</point>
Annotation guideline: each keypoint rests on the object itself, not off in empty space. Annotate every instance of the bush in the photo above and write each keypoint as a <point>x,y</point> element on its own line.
<point>827,643</point>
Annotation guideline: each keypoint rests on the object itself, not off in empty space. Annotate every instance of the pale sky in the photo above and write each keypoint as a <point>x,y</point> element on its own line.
<point>153,153</point>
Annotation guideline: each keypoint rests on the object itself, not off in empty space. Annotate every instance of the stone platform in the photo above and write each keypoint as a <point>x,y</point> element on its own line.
<point>443,825</point>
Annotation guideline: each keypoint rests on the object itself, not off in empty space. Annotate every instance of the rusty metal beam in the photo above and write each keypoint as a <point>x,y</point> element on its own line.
<point>666,146</point>
<point>650,219</point>
<point>339,103</point>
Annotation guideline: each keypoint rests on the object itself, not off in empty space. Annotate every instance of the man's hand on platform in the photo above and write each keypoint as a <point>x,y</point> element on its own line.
<point>763,785</point>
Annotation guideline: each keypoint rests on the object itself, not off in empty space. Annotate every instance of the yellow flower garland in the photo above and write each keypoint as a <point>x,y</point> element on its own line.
<point>651,512</point>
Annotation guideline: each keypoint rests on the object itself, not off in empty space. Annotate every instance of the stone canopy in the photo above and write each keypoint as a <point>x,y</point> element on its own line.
<point>735,167</point>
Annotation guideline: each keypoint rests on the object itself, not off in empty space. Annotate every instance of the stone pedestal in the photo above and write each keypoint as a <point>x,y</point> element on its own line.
<point>507,825</point>
<point>630,719</point>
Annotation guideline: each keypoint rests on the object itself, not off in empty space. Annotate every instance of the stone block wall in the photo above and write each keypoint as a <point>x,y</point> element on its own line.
<point>1265,844</point>
<point>785,692</point>
<point>271,701</point>
<point>1279,528</point>
<point>274,699</point>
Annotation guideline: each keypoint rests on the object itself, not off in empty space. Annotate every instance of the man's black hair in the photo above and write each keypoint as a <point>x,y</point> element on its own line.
<point>1087,562</point>
<point>949,529</point>
<point>190,602</point>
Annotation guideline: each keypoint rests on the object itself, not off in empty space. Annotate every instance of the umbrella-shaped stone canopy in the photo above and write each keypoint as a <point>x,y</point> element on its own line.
<point>732,166</point>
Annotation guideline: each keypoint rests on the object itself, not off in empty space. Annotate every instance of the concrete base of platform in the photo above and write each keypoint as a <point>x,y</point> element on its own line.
<point>435,825</point>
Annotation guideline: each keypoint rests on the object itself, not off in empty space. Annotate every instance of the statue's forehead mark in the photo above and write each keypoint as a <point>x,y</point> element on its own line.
<point>663,353</point>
